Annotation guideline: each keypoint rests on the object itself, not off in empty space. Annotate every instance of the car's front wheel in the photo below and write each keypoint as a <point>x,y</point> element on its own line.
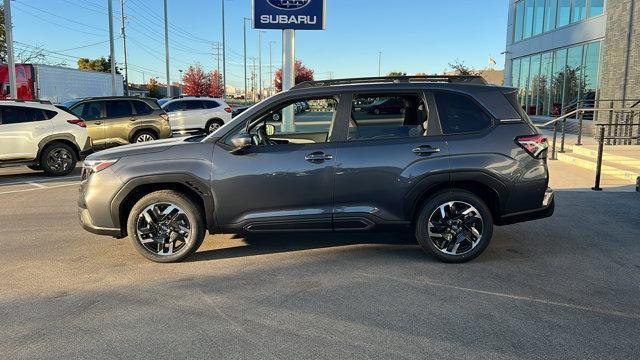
<point>454,226</point>
<point>165,226</point>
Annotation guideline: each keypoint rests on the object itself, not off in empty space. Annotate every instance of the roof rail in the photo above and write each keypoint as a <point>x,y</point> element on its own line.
<point>48,102</point>
<point>194,96</point>
<point>458,79</point>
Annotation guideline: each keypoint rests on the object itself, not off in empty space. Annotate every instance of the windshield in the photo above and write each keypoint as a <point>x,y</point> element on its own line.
<point>163,101</point>
<point>231,124</point>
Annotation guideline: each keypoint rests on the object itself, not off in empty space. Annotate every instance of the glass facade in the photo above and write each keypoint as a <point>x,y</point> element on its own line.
<point>552,80</point>
<point>535,17</point>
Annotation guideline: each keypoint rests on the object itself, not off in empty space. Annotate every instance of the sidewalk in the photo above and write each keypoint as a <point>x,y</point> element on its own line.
<point>564,176</point>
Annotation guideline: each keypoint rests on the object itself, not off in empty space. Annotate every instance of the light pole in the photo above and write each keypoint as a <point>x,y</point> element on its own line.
<point>111,49</point>
<point>166,48</point>
<point>379,62</point>
<point>244,29</point>
<point>224,59</point>
<point>180,71</point>
<point>260,32</point>
<point>270,67</point>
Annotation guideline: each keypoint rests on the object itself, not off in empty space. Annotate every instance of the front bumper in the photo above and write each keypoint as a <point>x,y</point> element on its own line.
<point>547,209</point>
<point>87,224</point>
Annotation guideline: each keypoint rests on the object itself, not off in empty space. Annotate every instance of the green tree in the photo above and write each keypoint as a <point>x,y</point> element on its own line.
<point>152,86</point>
<point>397,73</point>
<point>459,67</point>
<point>100,64</point>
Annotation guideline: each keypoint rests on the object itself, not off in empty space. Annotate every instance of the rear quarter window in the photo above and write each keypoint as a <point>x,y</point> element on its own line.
<point>460,113</point>
<point>18,115</point>
<point>142,108</point>
<point>210,104</point>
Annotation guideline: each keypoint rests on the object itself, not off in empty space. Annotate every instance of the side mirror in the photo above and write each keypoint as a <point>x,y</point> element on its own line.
<point>241,142</point>
<point>270,129</point>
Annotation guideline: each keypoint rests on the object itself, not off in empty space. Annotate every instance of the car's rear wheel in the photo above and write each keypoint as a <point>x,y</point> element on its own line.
<point>58,159</point>
<point>454,226</point>
<point>165,226</point>
<point>144,136</point>
<point>213,125</point>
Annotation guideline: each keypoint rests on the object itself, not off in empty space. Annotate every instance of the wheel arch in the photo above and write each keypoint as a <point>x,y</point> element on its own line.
<point>185,184</point>
<point>67,139</point>
<point>135,131</point>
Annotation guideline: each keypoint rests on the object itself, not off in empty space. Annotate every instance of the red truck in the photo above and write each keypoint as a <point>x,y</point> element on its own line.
<point>56,83</point>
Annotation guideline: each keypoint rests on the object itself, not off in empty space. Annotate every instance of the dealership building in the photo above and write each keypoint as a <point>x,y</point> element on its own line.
<point>560,52</point>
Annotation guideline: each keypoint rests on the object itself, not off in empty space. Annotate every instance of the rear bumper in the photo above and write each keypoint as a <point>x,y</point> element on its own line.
<point>547,209</point>
<point>87,224</point>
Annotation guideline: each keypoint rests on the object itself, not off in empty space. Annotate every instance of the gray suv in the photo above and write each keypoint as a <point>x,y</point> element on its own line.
<point>446,156</point>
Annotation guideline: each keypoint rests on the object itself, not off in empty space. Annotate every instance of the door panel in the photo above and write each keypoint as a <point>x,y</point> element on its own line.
<point>277,187</point>
<point>119,122</point>
<point>92,113</point>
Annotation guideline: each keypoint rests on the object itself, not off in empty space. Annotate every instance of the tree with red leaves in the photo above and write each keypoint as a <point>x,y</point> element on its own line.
<point>196,81</point>
<point>302,74</point>
<point>217,86</point>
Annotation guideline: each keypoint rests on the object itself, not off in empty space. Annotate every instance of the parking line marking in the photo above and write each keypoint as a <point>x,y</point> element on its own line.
<point>36,184</point>
<point>39,181</point>
<point>514,297</point>
<point>46,187</point>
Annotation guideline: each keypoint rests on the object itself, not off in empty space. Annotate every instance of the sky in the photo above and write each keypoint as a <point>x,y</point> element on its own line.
<point>413,35</point>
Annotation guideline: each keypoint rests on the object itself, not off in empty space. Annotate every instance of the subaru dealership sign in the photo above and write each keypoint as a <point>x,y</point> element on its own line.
<point>289,14</point>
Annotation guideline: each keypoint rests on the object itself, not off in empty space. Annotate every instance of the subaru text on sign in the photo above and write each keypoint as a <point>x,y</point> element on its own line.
<point>289,14</point>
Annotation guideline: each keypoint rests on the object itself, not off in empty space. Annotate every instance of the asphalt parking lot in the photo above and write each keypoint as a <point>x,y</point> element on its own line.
<point>563,287</point>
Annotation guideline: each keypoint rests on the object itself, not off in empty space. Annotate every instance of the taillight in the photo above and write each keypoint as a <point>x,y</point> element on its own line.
<point>535,145</point>
<point>78,122</point>
<point>164,116</point>
<point>228,109</point>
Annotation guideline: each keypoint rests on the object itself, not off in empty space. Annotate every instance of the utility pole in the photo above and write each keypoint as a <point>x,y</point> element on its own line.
<point>260,64</point>
<point>330,75</point>
<point>217,47</point>
<point>288,76</point>
<point>124,48</point>
<point>111,50</point>
<point>244,29</point>
<point>224,59</point>
<point>166,47</point>
<point>270,68</point>
<point>8,29</point>
<point>379,62</point>
<point>253,79</point>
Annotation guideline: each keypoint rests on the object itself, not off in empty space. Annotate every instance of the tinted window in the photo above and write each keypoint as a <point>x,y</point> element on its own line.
<point>460,114</point>
<point>15,115</point>
<point>118,108</point>
<point>50,114</point>
<point>175,106</point>
<point>88,111</point>
<point>142,108</point>
<point>385,117</point>
<point>194,105</point>
<point>210,104</point>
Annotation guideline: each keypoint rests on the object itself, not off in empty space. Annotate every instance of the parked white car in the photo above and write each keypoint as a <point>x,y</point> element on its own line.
<point>189,114</point>
<point>42,136</point>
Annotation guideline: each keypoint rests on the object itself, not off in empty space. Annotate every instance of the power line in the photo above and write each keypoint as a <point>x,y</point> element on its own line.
<point>58,16</point>
<point>57,24</point>
<point>85,46</point>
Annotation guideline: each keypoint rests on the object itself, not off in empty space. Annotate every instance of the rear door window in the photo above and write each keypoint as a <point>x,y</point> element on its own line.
<point>118,108</point>
<point>194,105</point>
<point>387,116</point>
<point>175,106</point>
<point>17,115</point>
<point>460,114</point>
<point>142,108</point>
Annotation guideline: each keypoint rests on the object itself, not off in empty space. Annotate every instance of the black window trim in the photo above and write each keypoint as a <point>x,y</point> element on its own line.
<point>492,119</point>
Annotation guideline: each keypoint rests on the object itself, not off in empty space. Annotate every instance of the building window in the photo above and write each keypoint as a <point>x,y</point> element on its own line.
<point>538,17</point>
<point>557,82</point>
<point>528,18</point>
<point>563,13</point>
<point>590,73</point>
<point>573,82</point>
<point>596,7</point>
<point>515,73</point>
<point>546,71</point>
<point>517,32</point>
<point>534,83</point>
<point>578,10</point>
<point>550,15</point>
<point>524,82</point>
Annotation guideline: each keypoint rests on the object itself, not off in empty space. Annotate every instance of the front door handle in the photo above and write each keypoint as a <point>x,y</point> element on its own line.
<point>318,156</point>
<point>425,150</point>
<point>97,123</point>
<point>132,119</point>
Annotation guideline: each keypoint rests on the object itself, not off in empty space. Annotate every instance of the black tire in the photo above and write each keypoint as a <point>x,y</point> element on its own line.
<point>210,127</point>
<point>433,205</point>
<point>376,111</point>
<point>35,167</point>
<point>192,212</point>
<point>58,159</point>
<point>144,136</point>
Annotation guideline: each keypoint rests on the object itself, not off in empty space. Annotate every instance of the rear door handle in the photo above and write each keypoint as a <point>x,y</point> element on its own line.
<point>425,150</point>
<point>132,119</point>
<point>318,156</point>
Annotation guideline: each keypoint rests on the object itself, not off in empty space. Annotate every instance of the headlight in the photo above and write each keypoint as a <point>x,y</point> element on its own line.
<point>95,166</point>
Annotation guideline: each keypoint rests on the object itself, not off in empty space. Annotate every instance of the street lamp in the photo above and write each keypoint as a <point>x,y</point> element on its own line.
<point>244,29</point>
<point>271,80</point>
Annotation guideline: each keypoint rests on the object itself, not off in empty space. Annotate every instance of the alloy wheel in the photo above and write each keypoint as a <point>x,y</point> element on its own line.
<point>213,127</point>
<point>144,138</point>
<point>455,227</point>
<point>163,229</point>
<point>59,159</point>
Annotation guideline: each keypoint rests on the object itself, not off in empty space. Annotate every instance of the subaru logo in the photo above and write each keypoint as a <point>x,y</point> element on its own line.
<point>289,4</point>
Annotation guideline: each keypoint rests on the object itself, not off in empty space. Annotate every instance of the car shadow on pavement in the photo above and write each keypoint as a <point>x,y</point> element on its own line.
<point>10,176</point>
<point>262,244</point>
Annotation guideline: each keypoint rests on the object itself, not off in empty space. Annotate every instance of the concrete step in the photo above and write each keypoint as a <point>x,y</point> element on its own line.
<point>609,168</point>
<point>625,155</point>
